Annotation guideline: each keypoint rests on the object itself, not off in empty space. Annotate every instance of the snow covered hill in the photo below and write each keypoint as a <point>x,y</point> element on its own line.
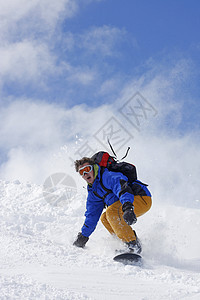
<point>38,260</point>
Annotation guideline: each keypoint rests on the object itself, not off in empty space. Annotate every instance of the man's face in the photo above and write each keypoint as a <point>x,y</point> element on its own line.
<point>89,177</point>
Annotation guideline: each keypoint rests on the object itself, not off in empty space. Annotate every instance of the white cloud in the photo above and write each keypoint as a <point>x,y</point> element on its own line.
<point>28,33</point>
<point>32,62</point>
<point>31,132</point>
<point>41,15</point>
<point>26,28</point>
<point>82,75</point>
<point>33,135</point>
<point>31,125</point>
<point>25,61</point>
<point>109,85</point>
<point>102,40</point>
<point>164,87</point>
<point>97,40</point>
<point>14,10</point>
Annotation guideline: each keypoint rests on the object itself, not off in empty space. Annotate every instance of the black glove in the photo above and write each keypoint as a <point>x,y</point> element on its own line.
<point>129,215</point>
<point>81,240</point>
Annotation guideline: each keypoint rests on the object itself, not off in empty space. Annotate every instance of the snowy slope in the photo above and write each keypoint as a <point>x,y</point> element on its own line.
<point>38,260</point>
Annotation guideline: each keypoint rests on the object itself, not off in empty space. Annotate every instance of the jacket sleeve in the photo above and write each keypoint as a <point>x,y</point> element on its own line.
<point>92,214</point>
<point>118,183</point>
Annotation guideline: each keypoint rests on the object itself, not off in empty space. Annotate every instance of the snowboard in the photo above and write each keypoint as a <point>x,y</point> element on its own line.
<point>128,258</point>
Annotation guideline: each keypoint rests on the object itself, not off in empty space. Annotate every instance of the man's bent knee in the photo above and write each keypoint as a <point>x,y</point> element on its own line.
<point>103,218</point>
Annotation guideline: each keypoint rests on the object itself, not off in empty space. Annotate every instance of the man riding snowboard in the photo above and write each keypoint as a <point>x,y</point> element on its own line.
<point>124,203</point>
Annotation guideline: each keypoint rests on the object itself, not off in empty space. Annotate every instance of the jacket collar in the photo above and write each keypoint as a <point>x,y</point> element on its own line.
<point>96,169</point>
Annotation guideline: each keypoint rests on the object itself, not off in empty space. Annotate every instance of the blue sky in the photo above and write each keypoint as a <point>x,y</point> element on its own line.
<point>68,63</point>
<point>155,25</point>
<point>158,31</point>
<point>139,34</point>
<point>102,42</point>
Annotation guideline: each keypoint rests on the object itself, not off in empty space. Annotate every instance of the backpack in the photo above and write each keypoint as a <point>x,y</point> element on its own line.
<point>105,160</point>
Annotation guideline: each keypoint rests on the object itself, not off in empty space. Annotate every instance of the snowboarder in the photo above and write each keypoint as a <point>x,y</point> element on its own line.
<point>123,202</point>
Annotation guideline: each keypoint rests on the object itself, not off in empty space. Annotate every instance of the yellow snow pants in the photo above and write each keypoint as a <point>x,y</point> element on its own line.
<point>113,220</point>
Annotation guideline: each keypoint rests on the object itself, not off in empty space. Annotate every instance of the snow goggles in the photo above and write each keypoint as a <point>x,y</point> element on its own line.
<point>86,169</point>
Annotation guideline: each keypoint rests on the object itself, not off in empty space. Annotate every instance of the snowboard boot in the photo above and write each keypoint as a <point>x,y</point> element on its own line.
<point>135,246</point>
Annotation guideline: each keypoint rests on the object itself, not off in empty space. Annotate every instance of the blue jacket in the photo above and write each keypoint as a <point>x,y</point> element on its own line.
<point>120,190</point>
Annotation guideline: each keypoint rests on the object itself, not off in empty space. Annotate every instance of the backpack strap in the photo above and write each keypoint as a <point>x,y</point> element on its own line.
<point>101,181</point>
<point>108,191</point>
<point>111,147</point>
